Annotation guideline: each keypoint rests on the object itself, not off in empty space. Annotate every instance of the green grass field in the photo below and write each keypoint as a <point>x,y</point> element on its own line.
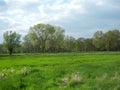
<point>65,71</point>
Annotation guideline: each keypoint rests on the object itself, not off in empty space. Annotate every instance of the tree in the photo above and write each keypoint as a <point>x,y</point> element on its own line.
<point>39,34</point>
<point>45,38</point>
<point>56,40</point>
<point>89,45</point>
<point>27,46</point>
<point>80,44</point>
<point>112,40</point>
<point>11,41</point>
<point>70,43</point>
<point>1,49</point>
<point>98,40</point>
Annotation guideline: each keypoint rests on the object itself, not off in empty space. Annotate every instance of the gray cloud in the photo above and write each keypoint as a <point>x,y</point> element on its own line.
<point>80,18</point>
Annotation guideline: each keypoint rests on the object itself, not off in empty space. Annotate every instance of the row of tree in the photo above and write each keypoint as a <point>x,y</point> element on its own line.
<point>43,38</point>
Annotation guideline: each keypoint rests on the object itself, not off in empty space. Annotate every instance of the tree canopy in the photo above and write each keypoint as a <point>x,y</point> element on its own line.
<point>11,41</point>
<point>43,38</point>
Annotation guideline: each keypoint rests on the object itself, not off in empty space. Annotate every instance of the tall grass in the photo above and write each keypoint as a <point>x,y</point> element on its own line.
<point>63,71</point>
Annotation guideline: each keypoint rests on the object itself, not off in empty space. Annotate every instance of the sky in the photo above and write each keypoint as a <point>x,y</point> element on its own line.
<point>79,18</point>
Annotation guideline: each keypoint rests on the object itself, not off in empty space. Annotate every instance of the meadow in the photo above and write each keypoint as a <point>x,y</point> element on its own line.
<point>62,71</point>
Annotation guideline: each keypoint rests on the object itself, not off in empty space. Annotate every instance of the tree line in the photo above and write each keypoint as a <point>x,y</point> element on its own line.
<point>42,38</point>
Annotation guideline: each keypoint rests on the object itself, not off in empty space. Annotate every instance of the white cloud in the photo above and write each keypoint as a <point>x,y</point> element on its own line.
<point>81,16</point>
<point>59,10</point>
<point>21,1</point>
<point>17,11</point>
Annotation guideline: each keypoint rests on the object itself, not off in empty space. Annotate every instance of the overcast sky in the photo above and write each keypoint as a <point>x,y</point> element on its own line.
<point>79,18</point>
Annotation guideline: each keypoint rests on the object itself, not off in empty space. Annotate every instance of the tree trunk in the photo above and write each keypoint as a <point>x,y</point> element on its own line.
<point>10,51</point>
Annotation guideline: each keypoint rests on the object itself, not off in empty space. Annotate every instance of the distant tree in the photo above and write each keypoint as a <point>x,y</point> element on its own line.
<point>80,44</point>
<point>40,33</point>
<point>112,40</point>
<point>89,45</point>
<point>98,40</point>
<point>11,40</point>
<point>1,49</point>
<point>44,38</point>
<point>70,44</point>
<point>27,45</point>
<point>57,40</point>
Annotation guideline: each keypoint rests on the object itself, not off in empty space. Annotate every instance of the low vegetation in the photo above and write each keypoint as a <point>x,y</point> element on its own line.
<point>62,71</point>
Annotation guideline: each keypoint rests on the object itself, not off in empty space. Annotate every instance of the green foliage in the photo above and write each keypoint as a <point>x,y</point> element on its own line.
<point>109,41</point>
<point>48,38</point>
<point>44,37</point>
<point>11,41</point>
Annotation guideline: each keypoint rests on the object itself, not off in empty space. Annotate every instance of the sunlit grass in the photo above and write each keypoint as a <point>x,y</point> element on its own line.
<point>63,71</point>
